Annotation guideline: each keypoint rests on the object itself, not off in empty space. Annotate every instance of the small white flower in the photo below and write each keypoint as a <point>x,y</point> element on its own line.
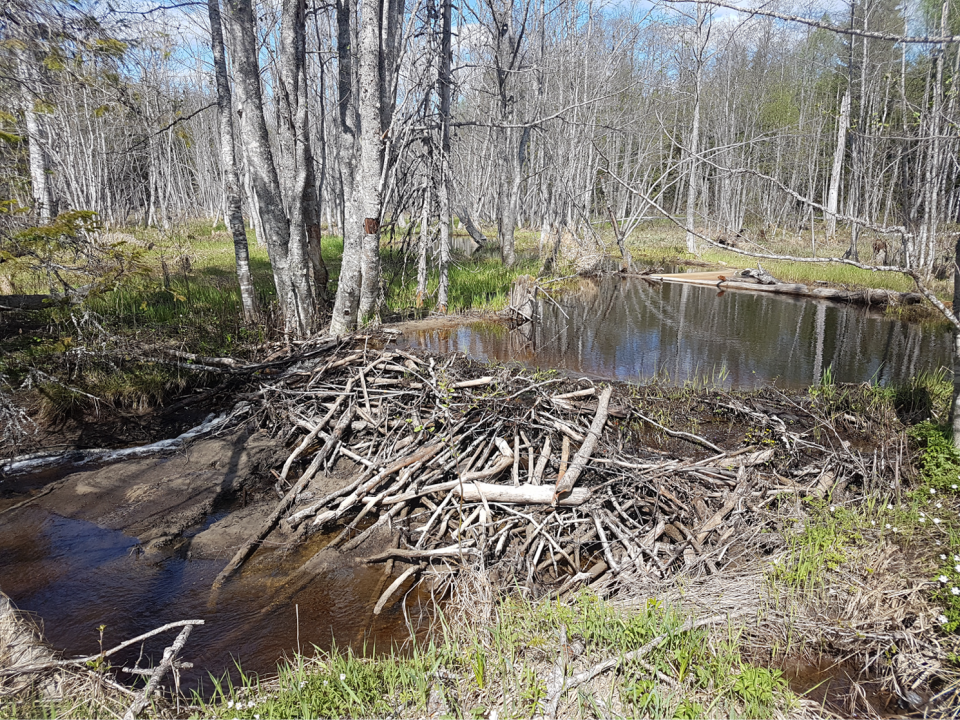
<point>942,556</point>
<point>932,491</point>
<point>343,676</point>
<point>230,704</point>
<point>895,530</point>
<point>256,717</point>
<point>923,519</point>
<point>939,505</point>
<point>955,590</point>
<point>957,568</point>
<point>953,487</point>
<point>889,507</point>
<point>303,683</point>
<point>956,558</point>
<point>936,521</point>
<point>922,514</point>
<point>943,578</point>
<point>942,619</point>
<point>873,522</point>
<point>832,508</point>
<point>888,526</point>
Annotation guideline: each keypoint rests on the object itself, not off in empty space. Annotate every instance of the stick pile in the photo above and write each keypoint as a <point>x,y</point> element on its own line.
<point>549,482</point>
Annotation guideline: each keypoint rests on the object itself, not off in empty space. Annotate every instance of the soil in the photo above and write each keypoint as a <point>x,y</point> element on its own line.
<point>158,499</point>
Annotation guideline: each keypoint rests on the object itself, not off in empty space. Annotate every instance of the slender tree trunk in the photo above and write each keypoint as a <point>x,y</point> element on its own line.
<point>834,192</point>
<point>445,82</point>
<point>371,159</point>
<point>347,304</point>
<point>41,187</point>
<point>296,304</point>
<point>423,250</point>
<point>298,168</point>
<point>231,181</point>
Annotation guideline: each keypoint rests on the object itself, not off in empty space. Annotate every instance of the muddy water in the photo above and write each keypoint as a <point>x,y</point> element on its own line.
<point>77,576</point>
<point>630,329</point>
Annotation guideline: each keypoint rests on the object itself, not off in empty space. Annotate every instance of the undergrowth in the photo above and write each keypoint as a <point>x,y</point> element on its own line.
<point>502,668</point>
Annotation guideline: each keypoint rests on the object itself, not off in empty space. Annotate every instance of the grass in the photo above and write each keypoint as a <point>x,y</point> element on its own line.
<point>470,670</point>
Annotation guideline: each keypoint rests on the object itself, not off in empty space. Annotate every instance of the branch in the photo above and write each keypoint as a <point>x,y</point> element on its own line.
<point>909,272</point>
<point>820,25</point>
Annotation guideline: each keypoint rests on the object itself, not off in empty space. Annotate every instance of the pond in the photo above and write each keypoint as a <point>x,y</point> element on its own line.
<point>627,328</point>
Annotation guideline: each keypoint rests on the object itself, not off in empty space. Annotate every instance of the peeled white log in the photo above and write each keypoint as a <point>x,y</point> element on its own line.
<point>519,494</point>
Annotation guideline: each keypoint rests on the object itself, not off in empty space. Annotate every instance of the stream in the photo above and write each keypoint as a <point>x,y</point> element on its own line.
<point>77,572</point>
<point>623,328</point>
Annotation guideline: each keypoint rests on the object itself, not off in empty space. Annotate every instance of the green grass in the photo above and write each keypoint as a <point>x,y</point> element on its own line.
<point>504,665</point>
<point>480,283</point>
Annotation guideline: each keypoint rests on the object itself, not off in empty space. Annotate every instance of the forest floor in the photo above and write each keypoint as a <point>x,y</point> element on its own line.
<point>848,592</point>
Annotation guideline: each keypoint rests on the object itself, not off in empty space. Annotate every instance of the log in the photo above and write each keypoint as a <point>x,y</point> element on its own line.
<point>287,501</point>
<point>520,494</point>
<point>867,296</point>
<point>394,586</point>
<point>568,479</point>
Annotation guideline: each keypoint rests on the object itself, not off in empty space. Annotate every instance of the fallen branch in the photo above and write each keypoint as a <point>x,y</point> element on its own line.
<point>567,480</point>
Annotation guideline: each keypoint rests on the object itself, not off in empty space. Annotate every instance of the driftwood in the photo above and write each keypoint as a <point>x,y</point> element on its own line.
<point>522,494</point>
<point>568,479</point>
<point>78,458</point>
<point>731,281</point>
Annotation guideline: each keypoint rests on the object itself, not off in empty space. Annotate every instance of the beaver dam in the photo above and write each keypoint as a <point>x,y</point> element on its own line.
<point>357,489</point>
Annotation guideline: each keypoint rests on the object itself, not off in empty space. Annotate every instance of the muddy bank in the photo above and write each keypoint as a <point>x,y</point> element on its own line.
<point>134,545</point>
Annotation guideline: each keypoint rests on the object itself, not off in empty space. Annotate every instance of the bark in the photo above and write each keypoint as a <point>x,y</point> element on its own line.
<point>834,193</point>
<point>347,303</point>
<point>371,158</point>
<point>231,180</point>
<point>299,166</point>
<point>693,141</point>
<point>423,250</point>
<point>41,186</point>
<point>293,291</point>
<point>445,82</point>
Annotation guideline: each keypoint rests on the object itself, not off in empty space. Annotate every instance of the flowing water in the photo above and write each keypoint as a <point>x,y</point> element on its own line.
<point>631,329</point>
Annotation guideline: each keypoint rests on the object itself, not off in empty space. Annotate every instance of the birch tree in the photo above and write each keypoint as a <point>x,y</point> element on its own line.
<point>231,179</point>
<point>290,272</point>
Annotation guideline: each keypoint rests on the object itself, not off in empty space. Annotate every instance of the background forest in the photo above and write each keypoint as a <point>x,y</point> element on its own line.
<point>388,122</point>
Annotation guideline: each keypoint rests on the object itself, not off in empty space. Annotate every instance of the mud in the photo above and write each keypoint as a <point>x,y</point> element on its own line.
<point>134,545</point>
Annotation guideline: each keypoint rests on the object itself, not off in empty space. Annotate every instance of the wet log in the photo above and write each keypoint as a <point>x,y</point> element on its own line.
<point>286,502</point>
<point>519,494</point>
<point>867,296</point>
<point>394,586</point>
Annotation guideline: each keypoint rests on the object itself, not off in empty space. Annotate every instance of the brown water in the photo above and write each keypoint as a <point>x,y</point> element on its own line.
<point>77,576</point>
<point>630,329</point>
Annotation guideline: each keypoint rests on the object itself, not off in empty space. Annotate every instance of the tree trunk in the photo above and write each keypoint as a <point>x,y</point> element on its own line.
<point>41,188</point>
<point>445,82</point>
<point>346,306</point>
<point>295,302</point>
<point>298,170</point>
<point>834,193</point>
<point>371,159</point>
<point>231,181</point>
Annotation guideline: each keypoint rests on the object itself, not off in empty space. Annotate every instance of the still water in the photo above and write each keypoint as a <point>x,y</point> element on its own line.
<point>630,329</point>
<point>75,577</point>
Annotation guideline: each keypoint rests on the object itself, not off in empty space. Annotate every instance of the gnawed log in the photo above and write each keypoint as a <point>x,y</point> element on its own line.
<point>519,494</point>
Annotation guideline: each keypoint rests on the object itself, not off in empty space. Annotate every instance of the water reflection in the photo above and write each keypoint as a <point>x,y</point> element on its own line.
<point>78,576</point>
<point>629,329</point>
